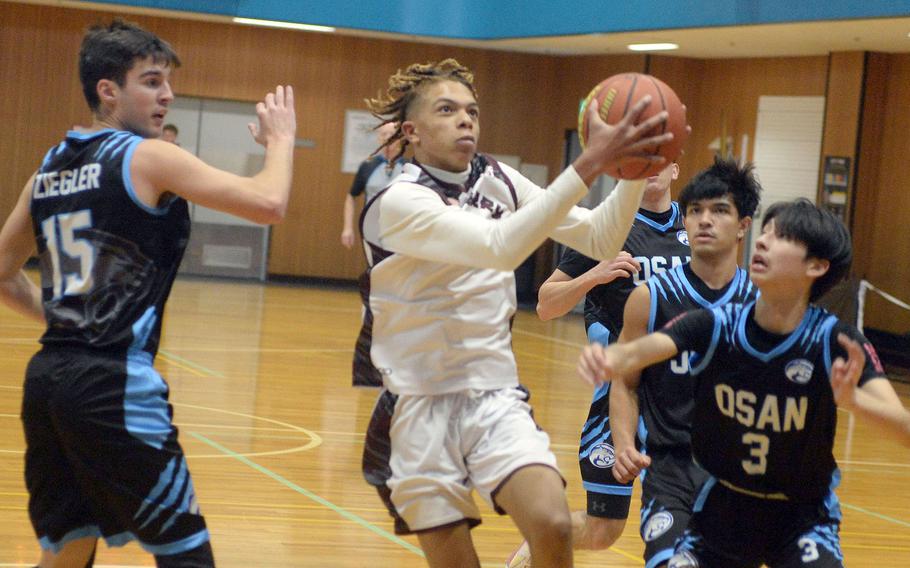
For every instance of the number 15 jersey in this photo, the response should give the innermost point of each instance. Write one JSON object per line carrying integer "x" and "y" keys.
{"x": 107, "y": 260}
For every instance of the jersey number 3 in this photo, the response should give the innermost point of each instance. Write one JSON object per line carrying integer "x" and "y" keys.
{"x": 59, "y": 234}
{"x": 759, "y": 444}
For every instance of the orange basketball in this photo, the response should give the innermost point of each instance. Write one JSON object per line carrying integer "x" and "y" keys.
{"x": 616, "y": 96}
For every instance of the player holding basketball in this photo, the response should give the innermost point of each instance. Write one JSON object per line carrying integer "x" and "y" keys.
{"x": 718, "y": 205}
{"x": 108, "y": 211}
{"x": 769, "y": 376}
{"x": 442, "y": 242}
{"x": 656, "y": 242}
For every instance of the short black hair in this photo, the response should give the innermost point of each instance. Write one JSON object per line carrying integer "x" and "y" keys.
{"x": 172, "y": 127}
{"x": 824, "y": 234}
{"x": 725, "y": 176}
{"x": 110, "y": 51}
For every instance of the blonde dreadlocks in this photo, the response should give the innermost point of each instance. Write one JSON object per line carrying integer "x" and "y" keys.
{"x": 404, "y": 87}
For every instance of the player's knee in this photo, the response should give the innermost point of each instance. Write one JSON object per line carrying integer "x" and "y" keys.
{"x": 684, "y": 559}
{"x": 552, "y": 526}
{"x": 602, "y": 533}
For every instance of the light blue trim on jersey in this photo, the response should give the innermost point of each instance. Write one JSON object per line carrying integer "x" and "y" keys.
{"x": 732, "y": 287}
{"x": 827, "y": 327}
{"x": 605, "y": 489}
{"x": 600, "y": 392}
{"x": 595, "y": 433}
{"x": 121, "y": 539}
{"x": 45, "y": 161}
{"x": 128, "y": 180}
{"x": 145, "y": 409}
{"x": 660, "y": 557}
{"x": 109, "y": 145}
{"x": 184, "y": 545}
{"x": 654, "y": 289}
{"x": 666, "y": 226}
{"x": 88, "y": 135}
{"x": 832, "y": 503}
{"x": 175, "y": 483}
{"x": 598, "y": 333}
{"x": 645, "y": 512}
{"x": 56, "y": 546}
{"x": 703, "y": 494}
{"x": 828, "y": 537}
{"x": 702, "y": 362}
{"x": 782, "y": 347}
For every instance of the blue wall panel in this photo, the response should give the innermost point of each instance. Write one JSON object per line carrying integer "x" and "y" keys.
{"x": 502, "y": 19}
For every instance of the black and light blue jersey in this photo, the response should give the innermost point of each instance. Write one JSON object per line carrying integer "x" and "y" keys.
{"x": 665, "y": 390}
{"x": 107, "y": 260}
{"x": 765, "y": 417}
{"x": 658, "y": 241}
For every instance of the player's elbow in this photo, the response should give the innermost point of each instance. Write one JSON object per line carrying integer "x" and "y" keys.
{"x": 544, "y": 313}
{"x": 270, "y": 211}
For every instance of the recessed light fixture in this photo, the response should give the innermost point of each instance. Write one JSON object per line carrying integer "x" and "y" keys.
{"x": 652, "y": 46}
{"x": 285, "y": 25}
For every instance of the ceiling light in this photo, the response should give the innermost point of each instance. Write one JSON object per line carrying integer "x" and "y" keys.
{"x": 652, "y": 46}
{"x": 285, "y": 25}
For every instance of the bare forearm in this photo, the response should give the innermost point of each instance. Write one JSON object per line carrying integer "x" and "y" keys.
{"x": 555, "y": 299}
{"x": 277, "y": 172}
{"x": 890, "y": 416}
{"x": 348, "y": 213}
{"x": 624, "y": 413}
{"x": 23, "y": 296}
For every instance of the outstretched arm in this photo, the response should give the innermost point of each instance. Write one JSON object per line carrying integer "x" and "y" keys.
{"x": 624, "y": 409}
{"x": 599, "y": 364}
{"x": 159, "y": 168}
{"x": 17, "y": 242}
{"x": 875, "y": 401}
{"x": 418, "y": 224}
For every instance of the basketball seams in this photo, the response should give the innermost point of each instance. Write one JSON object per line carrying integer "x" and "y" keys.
{"x": 608, "y": 95}
{"x": 626, "y": 108}
{"x": 663, "y": 126}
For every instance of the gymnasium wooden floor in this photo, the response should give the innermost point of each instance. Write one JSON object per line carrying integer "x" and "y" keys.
{"x": 260, "y": 382}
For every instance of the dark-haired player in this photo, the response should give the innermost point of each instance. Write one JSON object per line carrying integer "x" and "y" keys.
{"x": 769, "y": 376}
{"x": 718, "y": 205}
{"x": 657, "y": 242}
{"x": 107, "y": 209}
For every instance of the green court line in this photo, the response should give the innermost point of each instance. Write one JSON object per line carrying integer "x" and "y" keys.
{"x": 874, "y": 514}
{"x": 196, "y": 366}
{"x": 310, "y": 495}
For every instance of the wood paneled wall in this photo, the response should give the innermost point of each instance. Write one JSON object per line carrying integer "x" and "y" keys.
{"x": 528, "y": 102}
{"x": 723, "y": 94}
{"x": 881, "y": 230}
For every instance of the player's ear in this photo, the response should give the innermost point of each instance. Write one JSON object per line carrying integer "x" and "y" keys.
{"x": 674, "y": 171}
{"x": 107, "y": 90}
{"x": 817, "y": 267}
{"x": 409, "y": 130}
{"x": 744, "y": 225}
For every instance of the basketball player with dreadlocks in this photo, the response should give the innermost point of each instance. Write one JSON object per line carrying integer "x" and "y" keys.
{"x": 442, "y": 242}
